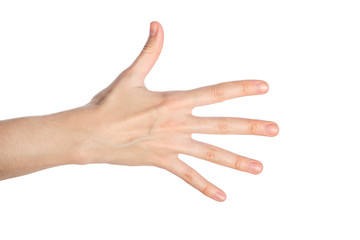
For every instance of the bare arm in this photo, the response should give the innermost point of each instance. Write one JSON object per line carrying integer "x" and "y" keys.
{"x": 30, "y": 144}
{"x": 128, "y": 124}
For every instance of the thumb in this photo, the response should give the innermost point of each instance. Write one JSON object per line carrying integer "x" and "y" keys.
{"x": 150, "y": 53}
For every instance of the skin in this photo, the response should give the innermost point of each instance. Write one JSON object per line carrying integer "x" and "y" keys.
{"x": 152, "y": 130}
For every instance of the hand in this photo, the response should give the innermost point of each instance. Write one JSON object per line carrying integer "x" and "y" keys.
{"x": 129, "y": 125}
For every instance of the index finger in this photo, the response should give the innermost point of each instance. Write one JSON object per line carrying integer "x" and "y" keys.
{"x": 225, "y": 91}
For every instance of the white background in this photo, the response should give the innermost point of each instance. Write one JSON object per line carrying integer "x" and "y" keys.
{"x": 57, "y": 55}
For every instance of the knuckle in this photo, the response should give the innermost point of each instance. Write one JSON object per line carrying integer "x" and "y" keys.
{"x": 181, "y": 98}
{"x": 239, "y": 164}
{"x": 128, "y": 74}
{"x": 253, "y": 126}
{"x": 205, "y": 189}
{"x": 167, "y": 101}
{"x": 173, "y": 103}
{"x": 217, "y": 92}
{"x": 188, "y": 177}
{"x": 244, "y": 88}
{"x": 99, "y": 97}
{"x": 210, "y": 154}
{"x": 222, "y": 125}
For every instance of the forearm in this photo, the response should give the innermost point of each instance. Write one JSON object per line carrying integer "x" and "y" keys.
{"x": 30, "y": 144}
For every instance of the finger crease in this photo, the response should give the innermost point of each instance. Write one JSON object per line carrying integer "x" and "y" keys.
{"x": 188, "y": 177}
{"x": 252, "y": 128}
{"x": 210, "y": 154}
{"x": 222, "y": 126}
{"x": 204, "y": 190}
{"x": 148, "y": 49}
{"x": 237, "y": 164}
{"x": 217, "y": 93}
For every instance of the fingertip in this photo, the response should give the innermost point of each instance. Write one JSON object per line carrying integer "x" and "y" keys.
{"x": 153, "y": 28}
{"x": 255, "y": 167}
{"x": 272, "y": 129}
{"x": 153, "y": 22}
{"x": 219, "y": 196}
{"x": 261, "y": 169}
{"x": 262, "y": 87}
{"x": 278, "y": 129}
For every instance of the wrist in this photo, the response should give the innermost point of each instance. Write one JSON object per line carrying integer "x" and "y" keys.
{"x": 70, "y": 134}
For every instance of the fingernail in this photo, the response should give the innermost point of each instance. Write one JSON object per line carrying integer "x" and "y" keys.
{"x": 262, "y": 87}
{"x": 153, "y": 29}
{"x": 219, "y": 196}
{"x": 255, "y": 167}
{"x": 271, "y": 129}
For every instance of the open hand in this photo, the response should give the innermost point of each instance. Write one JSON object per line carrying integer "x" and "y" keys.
{"x": 128, "y": 124}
